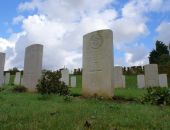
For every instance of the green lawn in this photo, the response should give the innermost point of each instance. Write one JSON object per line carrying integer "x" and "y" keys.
{"x": 31, "y": 111}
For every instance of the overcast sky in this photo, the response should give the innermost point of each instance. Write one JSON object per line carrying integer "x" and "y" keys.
{"x": 60, "y": 25}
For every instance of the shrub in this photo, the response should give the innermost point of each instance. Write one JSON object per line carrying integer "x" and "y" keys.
{"x": 1, "y": 89}
{"x": 19, "y": 88}
{"x": 157, "y": 96}
{"x": 50, "y": 84}
{"x": 68, "y": 98}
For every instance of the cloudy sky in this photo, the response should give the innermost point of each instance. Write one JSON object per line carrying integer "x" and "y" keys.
{"x": 60, "y": 25}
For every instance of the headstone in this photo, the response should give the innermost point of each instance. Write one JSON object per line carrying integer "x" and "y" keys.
{"x": 7, "y": 78}
{"x": 32, "y": 66}
{"x": 97, "y": 77}
{"x": 141, "y": 81}
{"x": 118, "y": 77}
{"x": 2, "y": 64}
{"x": 73, "y": 81}
{"x": 124, "y": 81}
{"x": 151, "y": 75}
{"x": 163, "y": 80}
{"x": 65, "y": 76}
{"x": 22, "y": 81}
{"x": 17, "y": 80}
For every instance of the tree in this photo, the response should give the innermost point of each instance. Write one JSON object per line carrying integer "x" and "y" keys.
{"x": 160, "y": 55}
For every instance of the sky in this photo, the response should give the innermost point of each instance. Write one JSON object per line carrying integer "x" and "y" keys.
{"x": 59, "y": 25}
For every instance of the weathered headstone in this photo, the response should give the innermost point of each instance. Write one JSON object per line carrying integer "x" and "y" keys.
{"x": 2, "y": 64}
{"x": 97, "y": 77}
{"x": 151, "y": 75}
{"x": 141, "y": 81}
{"x": 73, "y": 81}
{"x": 7, "y": 78}
{"x": 32, "y": 66}
{"x": 17, "y": 80}
{"x": 65, "y": 76}
{"x": 118, "y": 77}
{"x": 22, "y": 81}
{"x": 163, "y": 80}
{"x": 124, "y": 81}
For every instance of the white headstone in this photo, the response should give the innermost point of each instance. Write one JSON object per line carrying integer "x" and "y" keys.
{"x": 118, "y": 77}
{"x": 141, "y": 81}
{"x": 151, "y": 75}
{"x": 7, "y": 78}
{"x": 22, "y": 81}
{"x": 163, "y": 80}
{"x": 2, "y": 63}
{"x": 32, "y": 66}
{"x": 73, "y": 81}
{"x": 65, "y": 76}
{"x": 97, "y": 77}
{"x": 17, "y": 80}
{"x": 124, "y": 81}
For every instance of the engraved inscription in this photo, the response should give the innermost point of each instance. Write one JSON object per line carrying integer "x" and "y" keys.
{"x": 95, "y": 62}
{"x": 96, "y": 41}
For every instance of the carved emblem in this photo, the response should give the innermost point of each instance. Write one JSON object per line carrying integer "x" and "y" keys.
{"x": 96, "y": 41}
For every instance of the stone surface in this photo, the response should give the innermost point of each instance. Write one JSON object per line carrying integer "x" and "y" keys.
{"x": 141, "y": 81}
{"x": 73, "y": 81}
{"x": 7, "y": 78}
{"x": 97, "y": 77}
{"x": 2, "y": 64}
{"x": 32, "y": 66}
{"x": 17, "y": 80}
{"x": 65, "y": 76}
{"x": 163, "y": 80}
{"x": 151, "y": 75}
{"x": 118, "y": 77}
{"x": 124, "y": 81}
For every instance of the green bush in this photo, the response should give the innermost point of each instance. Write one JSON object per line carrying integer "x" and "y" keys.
{"x": 157, "y": 96}
{"x": 1, "y": 89}
{"x": 19, "y": 88}
{"x": 50, "y": 84}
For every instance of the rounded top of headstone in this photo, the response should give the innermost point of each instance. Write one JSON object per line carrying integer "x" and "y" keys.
{"x": 118, "y": 67}
{"x": 34, "y": 46}
{"x": 2, "y": 53}
{"x": 150, "y": 65}
{"x": 98, "y": 31}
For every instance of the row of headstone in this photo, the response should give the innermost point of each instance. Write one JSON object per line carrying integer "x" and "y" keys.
{"x": 152, "y": 78}
{"x": 32, "y": 68}
{"x": 65, "y": 78}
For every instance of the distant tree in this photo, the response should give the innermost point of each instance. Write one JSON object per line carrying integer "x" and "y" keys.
{"x": 160, "y": 55}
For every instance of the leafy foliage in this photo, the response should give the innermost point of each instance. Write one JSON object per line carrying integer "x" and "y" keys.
{"x": 1, "y": 89}
{"x": 50, "y": 84}
{"x": 19, "y": 88}
{"x": 157, "y": 96}
{"x": 160, "y": 55}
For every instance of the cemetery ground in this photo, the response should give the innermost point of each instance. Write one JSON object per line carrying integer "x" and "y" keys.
{"x": 32, "y": 111}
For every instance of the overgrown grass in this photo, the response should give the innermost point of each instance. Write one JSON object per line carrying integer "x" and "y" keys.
{"x": 31, "y": 111}
{"x": 28, "y": 112}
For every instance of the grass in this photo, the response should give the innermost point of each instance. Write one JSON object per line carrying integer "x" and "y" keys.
{"x": 31, "y": 111}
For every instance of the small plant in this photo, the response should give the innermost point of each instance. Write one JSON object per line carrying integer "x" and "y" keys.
{"x": 157, "y": 96}
{"x": 1, "y": 89}
{"x": 44, "y": 97}
{"x": 68, "y": 98}
{"x": 50, "y": 84}
{"x": 19, "y": 88}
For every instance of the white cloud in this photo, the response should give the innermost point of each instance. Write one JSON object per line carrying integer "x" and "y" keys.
{"x": 18, "y": 19}
{"x": 136, "y": 55}
{"x": 164, "y": 32}
{"x": 60, "y": 25}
